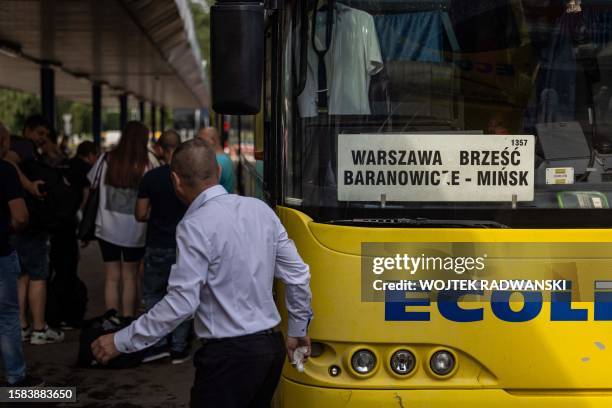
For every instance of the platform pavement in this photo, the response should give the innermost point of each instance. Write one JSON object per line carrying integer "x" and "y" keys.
{"x": 158, "y": 384}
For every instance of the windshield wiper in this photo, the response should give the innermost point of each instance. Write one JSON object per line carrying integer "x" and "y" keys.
{"x": 418, "y": 222}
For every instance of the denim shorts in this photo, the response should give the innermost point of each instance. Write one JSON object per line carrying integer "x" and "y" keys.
{"x": 33, "y": 250}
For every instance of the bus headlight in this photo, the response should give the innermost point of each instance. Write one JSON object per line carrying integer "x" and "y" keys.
{"x": 403, "y": 362}
{"x": 363, "y": 362}
{"x": 442, "y": 362}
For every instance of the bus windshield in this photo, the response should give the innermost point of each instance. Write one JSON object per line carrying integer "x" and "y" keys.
{"x": 395, "y": 103}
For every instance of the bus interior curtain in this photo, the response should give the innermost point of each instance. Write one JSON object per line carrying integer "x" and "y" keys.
{"x": 571, "y": 48}
{"x": 322, "y": 89}
{"x": 400, "y": 6}
{"x": 416, "y": 36}
{"x": 557, "y": 95}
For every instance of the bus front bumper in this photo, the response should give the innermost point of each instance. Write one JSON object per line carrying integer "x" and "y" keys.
{"x": 294, "y": 395}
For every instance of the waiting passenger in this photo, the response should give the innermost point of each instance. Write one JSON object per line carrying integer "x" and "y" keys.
{"x": 120, "y": 236}
{"x": 224, "y": 276}
{"x": 211, "y": 135}
{"x": 159, "y": 206}
{"x": 69, "y": 299}
{"x": 32, "y": 244}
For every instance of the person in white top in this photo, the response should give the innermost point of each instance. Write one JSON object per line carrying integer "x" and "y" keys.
{"x": 352, "y": 59}
{"x": 120, "y": 235}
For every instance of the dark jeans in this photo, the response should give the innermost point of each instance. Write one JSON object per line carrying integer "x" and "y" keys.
{"x": 10, "y": 327}
{"x": 157, "y": 266}
{"x": 242, "y": 372}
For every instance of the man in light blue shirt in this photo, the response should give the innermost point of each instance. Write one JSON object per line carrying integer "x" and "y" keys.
{"x": 230, "y": 249}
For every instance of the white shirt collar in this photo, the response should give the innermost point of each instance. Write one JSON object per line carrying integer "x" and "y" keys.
{"x": 205, "y": 196}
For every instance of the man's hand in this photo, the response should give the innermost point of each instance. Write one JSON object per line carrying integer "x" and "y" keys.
{"x": 293, "y": 343}
{"x": 104, "y": 348}
{"x": 34, "y": 189}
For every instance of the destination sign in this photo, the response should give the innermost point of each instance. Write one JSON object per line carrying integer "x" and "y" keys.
{"x": 435, "y": 167}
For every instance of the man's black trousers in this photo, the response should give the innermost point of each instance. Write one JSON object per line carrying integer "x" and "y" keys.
{"x": 239, "y": 372}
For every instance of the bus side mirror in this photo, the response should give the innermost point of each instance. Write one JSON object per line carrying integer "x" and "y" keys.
{"x": 237, "y": 53}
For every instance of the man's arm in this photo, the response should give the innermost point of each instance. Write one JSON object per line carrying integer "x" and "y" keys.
{"x": 143, "y": 204}
{"x": 143, "y": 207}
{"x": 31, "y": 187}
{"x": 295, "y": 274}
{"x": 181, "y": 301}
{"x": 19, "y": 214}
{"x": 85, "y": 198}
{"x": 13, "y": 192}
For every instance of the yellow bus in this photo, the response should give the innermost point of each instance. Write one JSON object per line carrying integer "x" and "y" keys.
{"x": 392, "y": 132}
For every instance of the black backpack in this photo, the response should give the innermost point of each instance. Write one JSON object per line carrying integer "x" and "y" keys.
{"x": 66, "y": 304}
{"x": 59, "y": 206}
{"x": 96, "y": 327}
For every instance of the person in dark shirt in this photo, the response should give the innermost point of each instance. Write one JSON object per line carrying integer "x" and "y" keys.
{"x": 79, "y": 166}
{"x": 32, "y": 244}
{"x": 13, "y": 217}
{"x": 159, "y": 206}
{"x": 25, "y": 148}
{"x": 68, "y": 303}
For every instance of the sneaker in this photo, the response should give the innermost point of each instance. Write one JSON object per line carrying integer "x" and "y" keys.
{"x": 155, "y": 353}
{"x": 26, "y": 333}
{"x": 46, "y": 336}
{"x": 29, "y": 381}
{"x": 67, "y": 326}
{"x": 179, "y": 357}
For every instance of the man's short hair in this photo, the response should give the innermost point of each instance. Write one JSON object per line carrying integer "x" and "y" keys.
{"x": 169, "y": 140}
{"x": 86, "y": 148}
{"x": 211, "y": 134}
{"x": 36, "y": 121}
{"x": 195, "y": 161}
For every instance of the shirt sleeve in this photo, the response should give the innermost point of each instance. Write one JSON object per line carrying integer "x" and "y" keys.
{"x": 374, "y": 62}
{"x": 11, "y": 186}
{"x": 183, "y": 297}
{"x": 143, "y": 188}
{"x": 295, "y": 274}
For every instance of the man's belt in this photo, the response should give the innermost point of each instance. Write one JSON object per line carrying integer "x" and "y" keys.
{"x": 259, "y": 333}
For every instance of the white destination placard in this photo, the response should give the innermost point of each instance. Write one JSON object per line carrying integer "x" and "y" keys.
{"x": 435, "y": 167}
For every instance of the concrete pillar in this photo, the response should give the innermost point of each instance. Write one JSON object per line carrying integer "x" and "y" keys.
{"x": 141, "y": 110}
{"x": 96, "y": 113}
{"x": 47, "y": 93}
{"x": 162, "y": 118}
{"x": 123, "y": 110}
{"x": 153, "y": 119}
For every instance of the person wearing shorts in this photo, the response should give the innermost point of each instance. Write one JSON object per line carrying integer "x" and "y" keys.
{"x": 116, "y": 253}
{"x": 121, "y": 237}
{"x": 32, "y": 244}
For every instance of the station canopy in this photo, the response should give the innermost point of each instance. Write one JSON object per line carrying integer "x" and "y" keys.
{"x": 146, "y": 48}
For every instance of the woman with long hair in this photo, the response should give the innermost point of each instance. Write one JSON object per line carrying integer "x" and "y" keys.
{"x": 120, "y": 235}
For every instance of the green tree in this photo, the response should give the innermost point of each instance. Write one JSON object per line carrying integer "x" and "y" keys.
{"x": 15, "y": 107}
{"x": 201, "y": 22}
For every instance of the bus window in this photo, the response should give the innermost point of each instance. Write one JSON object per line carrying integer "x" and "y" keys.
{"x": 503, "y": 67}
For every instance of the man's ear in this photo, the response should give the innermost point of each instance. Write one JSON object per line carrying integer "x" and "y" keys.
{"x": 176, "y": 180}
{"x": 219, "y": 170}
